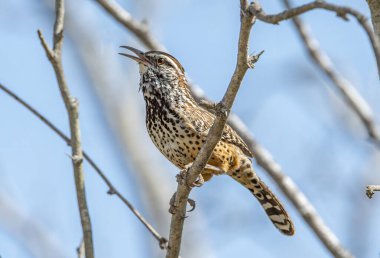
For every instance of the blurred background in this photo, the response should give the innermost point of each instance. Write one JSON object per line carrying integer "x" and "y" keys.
{"x": 285, "y": 101}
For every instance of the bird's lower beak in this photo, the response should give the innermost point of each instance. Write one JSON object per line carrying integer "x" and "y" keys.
{"x": 140, "y": 58}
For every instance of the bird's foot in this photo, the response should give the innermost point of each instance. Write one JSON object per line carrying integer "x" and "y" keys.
{"x": 198, "y": 182}
{"x": 173, "y": 206}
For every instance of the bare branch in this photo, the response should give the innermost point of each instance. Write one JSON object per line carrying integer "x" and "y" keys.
{"x": 346, "y": 89}
{"x": 223, "y": 109}
{"x": 340, "y": 11}
{"x": 71, "y": 105}
{"x": 112, "y": 189}
{"x": 140, "y": 29}
{"x": 371, "y": 190}
{"x": 374, "y": 7}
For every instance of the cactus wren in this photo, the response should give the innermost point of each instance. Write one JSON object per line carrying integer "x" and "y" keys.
{"x": 178, "y": 127}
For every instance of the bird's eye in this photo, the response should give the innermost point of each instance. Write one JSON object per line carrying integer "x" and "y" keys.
{"x": 160, "y": 61}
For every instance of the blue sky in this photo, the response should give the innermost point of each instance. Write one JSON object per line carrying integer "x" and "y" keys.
{"x": 288, "y": 105}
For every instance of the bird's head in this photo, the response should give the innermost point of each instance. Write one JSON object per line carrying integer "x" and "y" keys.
{"x": 157, "y": 68}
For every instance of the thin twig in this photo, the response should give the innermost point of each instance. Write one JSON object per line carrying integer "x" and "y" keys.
{"x": 55, "y": 57}
{"x": 371, "y": 190}
{"x": 223, "y": 109}
{"x": 374, "y": 7}
{"x": 112, "y": 190}
{"x": 140, "y": 29}
{"x": 347, "y": 90}
{"x": 341, "y": 11}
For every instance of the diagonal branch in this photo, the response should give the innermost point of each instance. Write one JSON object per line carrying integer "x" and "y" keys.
{"x": 140, "y": 29}
{"x": 223, "y": 109}
{"x": 341, "y": 11}
{"x": 71, "y": 104}
{"x": 112, "y": 190}
{"x": 353, "y": 99}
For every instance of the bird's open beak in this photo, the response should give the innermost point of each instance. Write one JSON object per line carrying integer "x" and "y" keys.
{"x": 140, "y": 58}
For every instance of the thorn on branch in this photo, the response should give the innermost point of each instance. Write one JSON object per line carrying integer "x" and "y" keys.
{"x": 252, "y": 59}
{"x": 111, "y": 191}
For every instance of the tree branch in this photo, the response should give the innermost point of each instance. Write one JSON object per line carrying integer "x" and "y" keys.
{"x": 371, "y": 190}
{"x": 140, "y": 29}
{"x": 112, "y": 190}
{"x": 71, "y": 104}
{"x": 223, "y": 108}
{"x": 340, "y": 11}
{"x": 346, "y": 89}
{"x": 374, "y": 7}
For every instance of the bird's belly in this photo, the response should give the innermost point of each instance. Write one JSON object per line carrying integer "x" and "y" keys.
{"x": 175, "y": 142}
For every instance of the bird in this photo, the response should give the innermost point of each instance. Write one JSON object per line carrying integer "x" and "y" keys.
{"x": 178, "y": 127}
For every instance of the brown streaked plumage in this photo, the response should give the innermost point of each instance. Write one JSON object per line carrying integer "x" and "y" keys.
{"x": 178, "y": 127}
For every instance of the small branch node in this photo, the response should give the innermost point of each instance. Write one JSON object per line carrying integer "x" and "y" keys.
{"x": 221, "y": 110}
{"x": 370, "y": 191}
{"x": 172, "y": 203}
{"x": 181, "y": 176}
{"x": 342, "y": 14}
{"x": 77, "y": 159}
{"x": 74, "y": 102}
{"x": 111, "y": 191}
{"x": 252, "y": 59}
{"x": 163, "y": 243}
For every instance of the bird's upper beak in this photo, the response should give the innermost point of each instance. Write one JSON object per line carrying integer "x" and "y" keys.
{"x": 140, "y": 58}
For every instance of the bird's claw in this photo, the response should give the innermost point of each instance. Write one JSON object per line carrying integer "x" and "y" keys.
{"x": 198, "y": 183}
{"x": 173, "y": 206}
{"x": 192, "y": 204}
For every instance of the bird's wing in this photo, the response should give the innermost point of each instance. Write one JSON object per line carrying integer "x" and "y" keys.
{"x": 200, "y": 121}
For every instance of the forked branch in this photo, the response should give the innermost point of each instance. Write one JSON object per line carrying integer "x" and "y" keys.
{"x": 353, "y": 99}
{"x": 341, "y": 11}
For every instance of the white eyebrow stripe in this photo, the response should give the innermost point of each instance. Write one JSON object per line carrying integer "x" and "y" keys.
{"x": 168, "y": 59}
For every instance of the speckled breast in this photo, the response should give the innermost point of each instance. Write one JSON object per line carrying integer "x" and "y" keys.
{"x": 166, "y": 129}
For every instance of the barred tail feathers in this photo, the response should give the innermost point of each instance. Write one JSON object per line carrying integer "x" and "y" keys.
{"x": 272, "y": 206}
